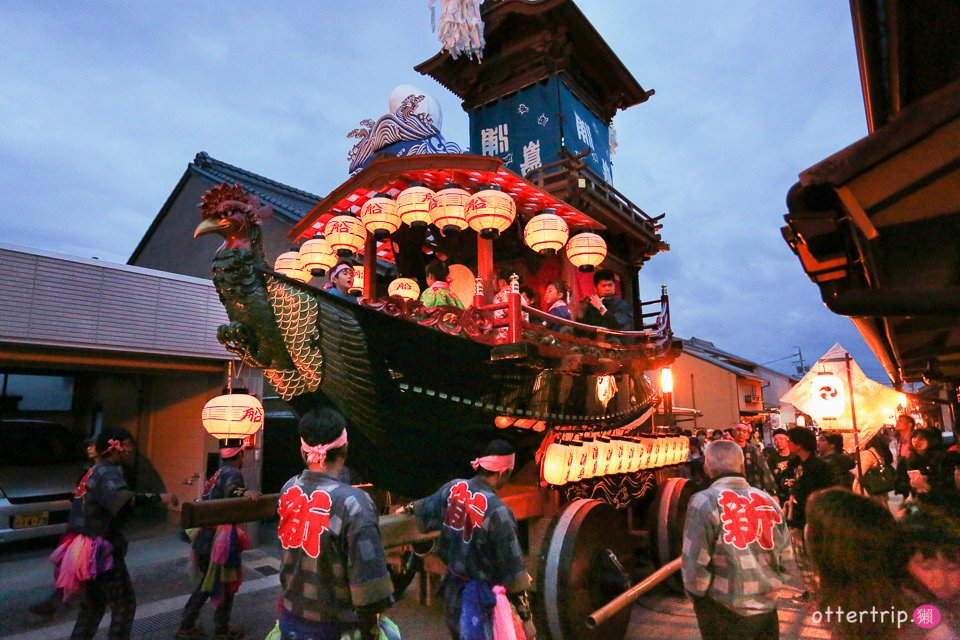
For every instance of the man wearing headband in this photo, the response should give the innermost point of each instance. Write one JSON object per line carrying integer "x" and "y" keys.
{"x": 478, "y": 542}
{"x": 94, "y": 554}
{"x": 341, "y": 279}
{"x": 216, "y": 551}
{"x": 334, "y": 575}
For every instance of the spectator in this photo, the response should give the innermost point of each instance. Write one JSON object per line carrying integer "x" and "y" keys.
{"x": 851, "y": 540}
{"x": 810, "y": 473}
{"x": 874, "y": 453}
{"x": 500, "y": 297}
{"x": 554, "y": 298}
{"x": 438, "y": 292}
{"x": 830, "y": 450}
{"x": 924, "y": 465}
{"x": 757, "y": 472}
{"x": 903, "y": 429}
{"x": 928, "y": 550}
{"x": 736, "y": 552}
{"x": 779, "y": 463}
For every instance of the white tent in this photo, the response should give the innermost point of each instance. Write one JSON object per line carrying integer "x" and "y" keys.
{"x": 875, "y": 404}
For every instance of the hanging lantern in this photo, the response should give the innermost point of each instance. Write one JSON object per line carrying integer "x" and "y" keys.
{"x": 586, "y": 251}
{"x": 288, "y": 264}
{"x": 234, "y": 415}
{"x": 345, "y": 234}
{"x": 828, "y": 395}
{"x": 643, "y": 457}
{"x": 357, "y": 286}
{"x": 578, "y": 459}
{"x": 619, "y": 462}
{"x": 593, "y": 458}
{"x": 666, "y": 380}
{"x": 414, "y": 204}
{"x": 555, "y": 468}
{"x": 447, "y": 213}
{"x": 379, "y": 216}
{"x": 604, "y": 455}
{"x": 409, "y": 289}
{"x": 546, "y": 233}
{"x": 490, "y": 211}
{"x": 316, "y": 256}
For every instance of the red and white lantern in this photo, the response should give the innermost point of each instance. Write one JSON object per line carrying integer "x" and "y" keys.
{"x": 288, "y": 263}
{"x": 447, "y": 213}
{"x": 379, "y": 216}
{"x": 345, "y": 234}
{"x": 317, "y": 257}
{"x": 414, "y": 204}
{"x": 586, "y": 251}
{"x": 546, "y": 232}
{"x": 234, "y": 415}
{"x": 406, "y": 288}
{"x": 490, "y": 211}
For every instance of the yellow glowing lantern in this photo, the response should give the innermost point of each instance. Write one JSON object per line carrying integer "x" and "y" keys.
{"x": 345, "y": 234}
{"x": 379, "y": 216}
{"x": 357, "y": 285}
{"x": 828, "y": 395}
{"x": 414, "y": 204}
{"x": 605, "y": 456}
{"x": 619, "y": 463}
{"x": 666, "y": 380}
{"x": 447, "y": 212}
{"x": 578, "y": 458}
{"x": 546, "y": 233}
{"x": 586, "y": 251}
{"x": 409, "y": 289}
{"x": 555, "y": 468}
{"x": 234, "y": 415}
{"x": 490, "y": 211}
{"x": 656, "y": 458}
{"x": 316, "y": 256}
{"x": 593, "y": 458}
{"x": 288, "y": 263}
{"x": 632, "y": 453}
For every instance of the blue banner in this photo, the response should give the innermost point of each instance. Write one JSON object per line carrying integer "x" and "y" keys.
{"x": 526, "y": 129}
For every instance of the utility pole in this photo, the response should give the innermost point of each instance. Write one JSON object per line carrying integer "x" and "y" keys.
{"x": 801, "y": 369}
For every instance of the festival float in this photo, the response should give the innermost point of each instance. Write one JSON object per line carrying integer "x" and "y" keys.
{"x": 424, "y": 389}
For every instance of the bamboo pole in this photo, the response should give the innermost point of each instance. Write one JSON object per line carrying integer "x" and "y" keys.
{"x": 612, "y": 608}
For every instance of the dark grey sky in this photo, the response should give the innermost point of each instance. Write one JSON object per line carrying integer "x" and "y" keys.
{"x": 103, "y": 104}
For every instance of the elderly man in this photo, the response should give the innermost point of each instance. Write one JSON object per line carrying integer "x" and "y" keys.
{"x": 736, "y": 552}
{"x": 757, "y": 472}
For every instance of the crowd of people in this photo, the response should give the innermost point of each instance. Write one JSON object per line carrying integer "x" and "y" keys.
{"x": 828, "y": 518}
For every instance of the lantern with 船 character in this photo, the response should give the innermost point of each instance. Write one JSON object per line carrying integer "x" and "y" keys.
{"x": 357, "y": 285}
{"x": 414, "y": 204}
{"x": 449, "y": 204}
{"x": 489, "y": 212}
{"x": 379, "y": 216}
{"x": 557, "y": 459}
{"x": 345, "y": 234}
{"x": 232, "y": 416}
{"x": 409, "y": 288}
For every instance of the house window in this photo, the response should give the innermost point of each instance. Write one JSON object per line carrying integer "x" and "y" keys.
{"x": 37, "y": 392}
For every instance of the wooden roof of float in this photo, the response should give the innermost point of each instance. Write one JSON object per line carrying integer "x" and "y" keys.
{"x": 529, "y": 40}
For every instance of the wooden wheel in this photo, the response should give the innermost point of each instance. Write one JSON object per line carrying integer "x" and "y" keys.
{"x": 667, "y": 516}
{"x": 580, "y": 569}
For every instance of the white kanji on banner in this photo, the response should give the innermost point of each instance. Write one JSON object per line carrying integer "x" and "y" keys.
{"x": 531, "y": 157}
{"x": 494, "y": 140}
{"x": 583, "y": 131}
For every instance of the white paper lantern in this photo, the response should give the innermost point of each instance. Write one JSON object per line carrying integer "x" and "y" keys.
{"x": 406, "y": 288}
{"x": 357, "y": 286}
{"x": 490, "y": 211}
{"x": 829, "y": 395}
{"x": 449, "y": 204}
{"x": 288, "y": 263}
{"x": 345, "y": 235}
{"x": 379, "y": 216}
{"x": 586, "y": 251}
{"x": 234, "y": 415}
{"x": 414, "y": 204}
{"x": 593, "y": 458}
{"x": 317, "y": 257}
{"x": 555, "y": 468}
{"x": 546, "y": 233}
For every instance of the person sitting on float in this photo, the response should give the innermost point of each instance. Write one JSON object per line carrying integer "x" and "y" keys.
{"x": 554, "y": 299}
{"x": 341, "y": 279}
{"x": 439, "y": 293}
{"x": 604, "y": 308}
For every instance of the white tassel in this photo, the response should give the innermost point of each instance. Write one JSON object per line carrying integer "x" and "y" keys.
{"x": 461, "y": 29}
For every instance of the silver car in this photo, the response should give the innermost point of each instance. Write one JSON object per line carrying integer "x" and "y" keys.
{"x": 40, "y": 465}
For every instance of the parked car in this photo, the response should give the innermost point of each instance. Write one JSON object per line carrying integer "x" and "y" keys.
{"x": 40, "y": 465}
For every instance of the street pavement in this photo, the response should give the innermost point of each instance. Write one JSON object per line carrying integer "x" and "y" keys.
{"x": 159, "y": 562}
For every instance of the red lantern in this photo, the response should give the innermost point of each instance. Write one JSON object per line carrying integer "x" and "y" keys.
{"x": 546, "y": 233}
{"x": 345, "y": 234}
{"x": 448, "y": 210}
{"x": 414, "y": 204}
{"x": 379, "y": 216}
{"x": 586, "y": 251}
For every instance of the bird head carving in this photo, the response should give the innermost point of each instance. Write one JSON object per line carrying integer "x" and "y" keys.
{"x": 231, "y": 212}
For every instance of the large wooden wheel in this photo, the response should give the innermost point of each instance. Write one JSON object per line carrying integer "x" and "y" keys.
{"x": 580, "y": 569}
{"x": 667, "y": 516}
